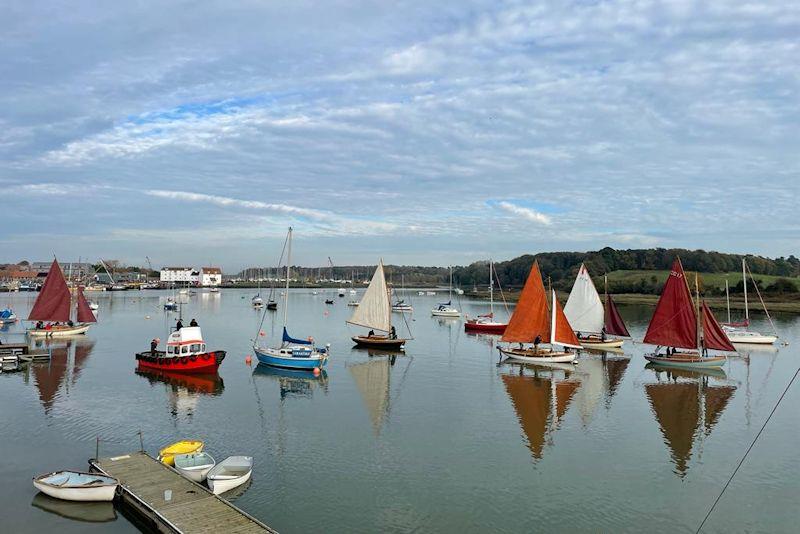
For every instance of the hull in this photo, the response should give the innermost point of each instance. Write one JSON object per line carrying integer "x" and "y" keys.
{"x": 221, "y": 485}
{"x": 167, "y": 454}
{"x": 446, "y": 313}
{"x": 59, "y": 331}
{"x": 599, "y": 344}
{"x": 690, "y": 360}
{"x": 485, "y": 328}
{"x": 542, "y": 357}
{"x": 753, "y": 338}
{"x": 206, "y": 363}
{"x": 272, "y": 358}
{"x": 195, "y": 474}
{"x": 378, "y": 342}
{"x": 94, "y": 493}
{"x": 231, "y": 473}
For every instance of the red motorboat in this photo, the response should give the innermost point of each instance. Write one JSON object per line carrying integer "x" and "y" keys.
{"x": 484, "y": 324}
{"x": 186, "y": 353}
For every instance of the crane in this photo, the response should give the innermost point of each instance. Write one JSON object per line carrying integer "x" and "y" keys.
{"x": 331, "y": 263}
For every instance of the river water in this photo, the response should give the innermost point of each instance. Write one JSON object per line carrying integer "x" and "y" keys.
{"x": 441, "y": 438}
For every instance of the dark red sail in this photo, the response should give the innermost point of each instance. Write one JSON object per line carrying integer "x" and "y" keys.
{"x": 674, "y": 323}
{"x": 85, "y": 313}
{"x": 614, "y": 324}
{"x": 714, "y": 336}
{"x": 53, "y": 302}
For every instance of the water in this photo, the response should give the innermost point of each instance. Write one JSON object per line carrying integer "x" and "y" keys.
{"x": 438, "y": 439}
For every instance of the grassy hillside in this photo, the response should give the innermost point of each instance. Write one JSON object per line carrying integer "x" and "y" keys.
{"x": 712, "y": 283}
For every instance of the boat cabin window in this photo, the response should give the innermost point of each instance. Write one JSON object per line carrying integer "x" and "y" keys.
{"x": 203, "y": 347}
{"x": 185, "y": 349}
{"x": 195, "y": 347}
{"x": 170, "y": 349}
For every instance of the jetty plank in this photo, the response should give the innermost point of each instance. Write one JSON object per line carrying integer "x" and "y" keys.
{"x": 192, "y": 508}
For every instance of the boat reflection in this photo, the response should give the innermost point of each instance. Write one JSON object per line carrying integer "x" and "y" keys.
{"x": 687, "y": 405}
{"x": 541, "y": 400}
{"x": 89, "y": 512}
{"x": 373, "y": 379}
{"x": 68, "y": 358}
{"x": 184, "y": 390}
{"x": 294, "y": 382}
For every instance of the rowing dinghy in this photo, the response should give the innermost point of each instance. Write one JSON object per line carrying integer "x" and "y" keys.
{"x": 230, "y": 473}
{"x": 194, "y": 466}
{"x": 167, "y": 454}
{"x": 77, "y": 486}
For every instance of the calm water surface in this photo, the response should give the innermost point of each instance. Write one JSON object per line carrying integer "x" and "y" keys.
{"x": 441, "y": 438}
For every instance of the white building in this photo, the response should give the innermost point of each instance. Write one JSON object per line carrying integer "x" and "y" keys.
{"x": 179, "y": 275}
{"x": 210, "y": 276}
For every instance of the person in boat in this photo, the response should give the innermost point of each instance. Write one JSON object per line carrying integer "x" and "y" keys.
{"x": 193, "y": 323}
{"x": 153, "y": 347}
{"x": 703, "y": 349}
{"x": 39, "y": 325}
{"x": 393, "y": 334}
{"x": 371, "y": 333}
{"x": 603, "y": 334}
{"x": 178, "y": 325}
{"x": 536, "y": 343}
{"x": 70, "y": 323}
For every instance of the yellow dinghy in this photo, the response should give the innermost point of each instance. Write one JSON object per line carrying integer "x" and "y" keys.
{"x": 167, "y": 454}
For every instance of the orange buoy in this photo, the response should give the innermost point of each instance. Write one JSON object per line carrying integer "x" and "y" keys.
{"x": 248, "y": 359}
{"x": 261, "y": 333}
{"x": 316, "y": 371}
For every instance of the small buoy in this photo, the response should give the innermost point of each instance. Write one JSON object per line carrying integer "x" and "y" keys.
{"x": 248, "y": 359}
{"x": 316, "y": 371}
{"x": 325, "y": 313}
{"x": 261, "y": 333}
{"x": 146, "y": 316}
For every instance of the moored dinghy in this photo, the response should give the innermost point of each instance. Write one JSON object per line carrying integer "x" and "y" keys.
{"x": 591, "y": 321}
{"x": 77, "y": 486}
{"x": 167, "y": 454}
{"x": 194, "y": 466}
{"x": 230, "y": 473}
{"x": 681, "y": 323}
{"x": 532, "y": 322}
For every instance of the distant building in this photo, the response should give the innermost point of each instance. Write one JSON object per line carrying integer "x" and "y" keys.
{"x": 179, "y": 275}
{"x": 210, "y": 276}
{"x": 72, "y": 270}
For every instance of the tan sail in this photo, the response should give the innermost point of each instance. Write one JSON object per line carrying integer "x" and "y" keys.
{"x": 374, "y": 310}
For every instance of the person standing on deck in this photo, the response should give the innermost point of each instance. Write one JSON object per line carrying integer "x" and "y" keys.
{"x": 536, "y": 344}
{"x": 179, "y": 325}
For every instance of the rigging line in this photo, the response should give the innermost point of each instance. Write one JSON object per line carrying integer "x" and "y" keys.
{"x": 264, "y": 313}
{"x": 766, "y": 311}
{"x": 748, "y": 450}
{"x": 502, "y": 295}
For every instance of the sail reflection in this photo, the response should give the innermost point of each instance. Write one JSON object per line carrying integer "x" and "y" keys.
{"x": 684, "y": 402}
{"x": 67, "y": 361}
{"x": 184, "y": 390}
{"x": 292, "y": 382}
{"x": 373, "y": 379}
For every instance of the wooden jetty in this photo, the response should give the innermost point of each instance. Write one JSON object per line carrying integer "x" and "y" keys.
{"x": 167, "y": 502}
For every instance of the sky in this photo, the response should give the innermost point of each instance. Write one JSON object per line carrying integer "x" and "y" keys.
{"x": 426, "y": 133}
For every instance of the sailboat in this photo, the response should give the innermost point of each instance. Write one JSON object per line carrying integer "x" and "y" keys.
{"x": 257, "y": 302}
{"x": 445, "y": 309}
{"x": 401, "y": 305}
{"x": 681, "y": 322}
{"x": 54, "y": 304}
{"x": 738, "y": 332}
{"x": 486, "y": 323}
{"x": 532, "y": 322}
{"x": 374, "y": 311}
{"x": 591, "y": 321}
{"x": 292, "y": 353}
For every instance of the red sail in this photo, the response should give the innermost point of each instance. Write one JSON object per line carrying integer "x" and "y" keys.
{"x": 614, "y": 324}
{"x": 674, "y": 323}
{"x": 530, "y": 317}
{"x": 714, "y": 336}
{"x": 85, "y": 314}
{"x": 53, "y": 302}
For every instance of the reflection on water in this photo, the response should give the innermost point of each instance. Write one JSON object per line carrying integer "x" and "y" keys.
{"x": 684, "y": 401}
{"x": 184, "y": 390}
{"x": 67, "y": 360}
{"x": 294, "y": 382}
{"x": 89, "y": 512}
{"x": 373, "y": 380}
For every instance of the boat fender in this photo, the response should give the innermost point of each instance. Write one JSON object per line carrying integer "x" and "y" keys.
{"x": 184, "y": 360}
{"x": 193, "y": 358}
{"x": 205, "y": 356}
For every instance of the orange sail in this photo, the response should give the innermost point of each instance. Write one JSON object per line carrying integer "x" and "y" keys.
{"x": 531, "y": 317}
{"x": 564, "y": 334}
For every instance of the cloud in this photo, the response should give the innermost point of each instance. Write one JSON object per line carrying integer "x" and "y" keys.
{"x": 526, "y": 213}
{"x": 235, "y": 202}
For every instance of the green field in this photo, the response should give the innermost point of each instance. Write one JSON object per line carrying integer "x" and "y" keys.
{"x": 706, "y": 280}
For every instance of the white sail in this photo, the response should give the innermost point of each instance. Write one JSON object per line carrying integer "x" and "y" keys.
{"x": 584, "y": 309}
{"x": 374, "y": 311}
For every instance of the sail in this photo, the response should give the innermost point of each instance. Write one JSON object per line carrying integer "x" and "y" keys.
{"x": 372, "y": 379}
{"x": 85, "y": 313}
{"x": 286, "y": 338}
{"x": 674, "y": 323}
{"x": 614, "y": 324}
{"x": 53, "y": 302}
{"x": 530, "y": 317}
{"x": 563, "y": 333}
{"x": 374, "y": 310}
{"x": 584, "y": 309}
{"x": 714, "y": 336}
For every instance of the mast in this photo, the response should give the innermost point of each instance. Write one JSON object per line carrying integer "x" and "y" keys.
{"x": 744, "y": 283}
{"x": 552, "y": 316}
{"x": 728, "y": 300}
{"x": 450, "y": 290}
{"x": 286, "y": 294}
{"x": 491, "y": 288}
{"x": 697, "y": 315}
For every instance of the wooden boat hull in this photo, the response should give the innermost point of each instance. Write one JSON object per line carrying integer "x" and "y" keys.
{"x": 168, "y": 453}
{"x": 95, "y": 493}
{"x": 542, "y": 356}
{"x": 485, "y": 328}
{"x": 206, "y": 363}
{"x": 379, "y": 342}
{"x": 599, "y": 344}
{"x": 690, "y": 360}
{"x": 59, "y": 331}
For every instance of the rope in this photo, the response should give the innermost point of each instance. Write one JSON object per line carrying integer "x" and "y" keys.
{"x": 502, "y": 295}
{"x": 748, "y": 451}
{"x": 774, "y": 330}
{"x": 264, "y": 313}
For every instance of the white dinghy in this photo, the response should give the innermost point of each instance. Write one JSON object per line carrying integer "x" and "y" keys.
{"x": 194, "y": 466}
{"x": 76, "y": 486}
{"x": 230, "y": 473}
